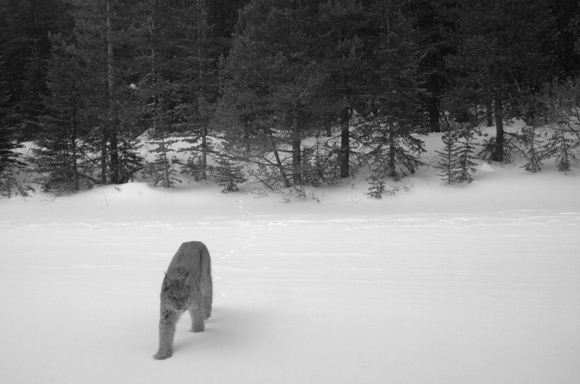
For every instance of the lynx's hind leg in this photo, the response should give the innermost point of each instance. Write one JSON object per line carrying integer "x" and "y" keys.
{"x": 197, "y": 317}
{"x": 207, "y": 304}
{"x": 206, "y": 287}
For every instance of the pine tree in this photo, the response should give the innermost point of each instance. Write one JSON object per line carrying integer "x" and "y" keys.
{"x": 500, "y": 52}
{"x": 377, "y": 185}
{"x": 563, "y": 146}
{"x": 457, "y": 159}
{"x": 7, "y": 134}
{"x": 562, "y": 101}
{"x": 161, "y": 88}
{"x": 448, "y": 159}
{"x": 342, "y": 22}
{"x": 161, "y": 169}
{"x": 61, "y": 156}
{"x": 534, "y": 152}
{"x": 321, "y": 165}
{"x": 10, "y": 159}
{"x": 271, "y": 79}
{"x": 394, "y": 151}
{"x": 433, "y": 73}
{"x": 24, "y": 29}
{"x": 179, "y": 74}
{"x": 391, "y": 114}
{"x": 228, "y": 175}
{"x": 105, "y": 37}
{"x": 466, "y": 158}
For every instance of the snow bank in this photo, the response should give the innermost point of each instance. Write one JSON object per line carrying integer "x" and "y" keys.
{"x": 475, "y": 283}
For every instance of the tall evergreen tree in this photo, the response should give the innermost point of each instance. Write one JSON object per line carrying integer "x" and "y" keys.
{"x": 447, "y": 163}
{"x": 562, "y": 101}
{"x": 343, "y": 25}
{"x": 533, "y": 153}
{"x": 62, "y": 153}
{"x": 433, "y": 74}
{"x": 456, "y": 159}
{"x": 466, "y": 157}
{"x": 104, "y": 39}
{"x": 563, "y": 147}
{"x": 7, "y": 132}
{"x": 501, "y": 54}
{"x": 392, "y": 112}
{"x": 24, "y": 43}
{"x": 9, "y": 157}
{"x": 563, "y": 45}
{"x": 178, "y": 73}
{"x": 271, "y": 79}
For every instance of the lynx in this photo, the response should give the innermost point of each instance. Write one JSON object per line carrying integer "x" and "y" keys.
{"x": 187, "y": 286}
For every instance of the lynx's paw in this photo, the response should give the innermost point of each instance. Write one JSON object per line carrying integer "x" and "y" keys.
{"x": 199, "y": 328}
{"x": 163, "y": 355}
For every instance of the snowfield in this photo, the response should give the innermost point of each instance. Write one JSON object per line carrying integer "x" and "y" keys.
{"x": 466, "y": 284}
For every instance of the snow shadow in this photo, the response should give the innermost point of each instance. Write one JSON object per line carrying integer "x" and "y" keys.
{"x": 229, "y": 328}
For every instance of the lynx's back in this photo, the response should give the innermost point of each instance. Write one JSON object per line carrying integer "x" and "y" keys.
{"x": 192, "y": 256}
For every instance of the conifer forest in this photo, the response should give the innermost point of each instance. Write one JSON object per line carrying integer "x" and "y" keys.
{"x": 283, "y": 93}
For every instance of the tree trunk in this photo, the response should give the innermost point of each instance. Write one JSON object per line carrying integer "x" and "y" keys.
{"x": 498, "y": 151}
{"x": 344, "y": 158}
{"x": 296, "y": 149}
{"x": 489, "y": 112}
{"x": 392, "y": 161}
{"x": 201, "y": 36}
{"x": 75, "y": 155}
{"x": 203, "y": 175}
{"x": 104, "y": 155}
{"x": 111, "y": 130}
{"x": 279, "y": 162}
{"x": 434, "y": 115}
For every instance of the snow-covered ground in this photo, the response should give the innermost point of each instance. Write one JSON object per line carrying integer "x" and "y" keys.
{"x": 466, "y": 284}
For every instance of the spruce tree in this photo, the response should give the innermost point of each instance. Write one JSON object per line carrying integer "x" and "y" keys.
{"x": 500, "y": 50}
{"x": 457, "y": 159}
{"x": 8, "y": 143}
{"x": 178, "y": 74}
{"x": 377, "y": 185}
{"x": 433, "y": 74}
{"x": 466, "y": 157}
{"x": 562, "y": 100}
{"x": 563, "y": 146}
{"x": 9, "y": 157}
{"x": 24, "y": 29}
{"x": 159, "y": 87}
{"x": 448, "y": 159}
{"x": 534, "y": 153}
{"x": 391, "y": 114}
{"x": 106, "y": 35}
{"x": 162, "y": 170}
{"x": 271, "y": 80}
{"x": 227, "y": 174}
{"x": 343, "y": 24}
{"x": 62, "y": 151}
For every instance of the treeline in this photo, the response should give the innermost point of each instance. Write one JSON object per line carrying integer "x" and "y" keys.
{"x": 245, "y": 82}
